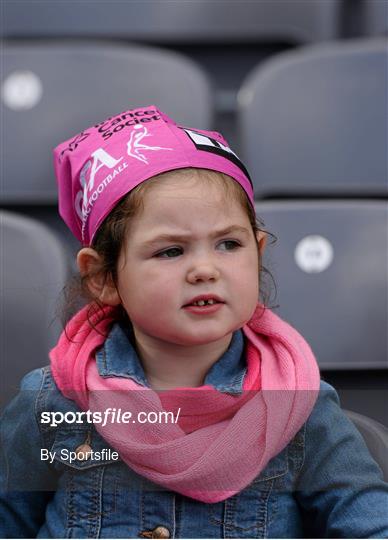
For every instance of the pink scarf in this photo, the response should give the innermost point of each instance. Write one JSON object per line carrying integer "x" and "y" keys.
{"x": 221, "y": 442}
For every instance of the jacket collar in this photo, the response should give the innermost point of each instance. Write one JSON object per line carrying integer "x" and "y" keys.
{"x": 118, "y": 358}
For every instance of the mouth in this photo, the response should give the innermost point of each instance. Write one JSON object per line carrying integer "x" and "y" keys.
{"x": 204, "y": 300}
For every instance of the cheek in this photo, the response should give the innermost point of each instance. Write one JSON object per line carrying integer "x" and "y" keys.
{"x": 162, "y": 281}
{"x": 250, "y": 267}
{"x": 250, "y": 279}
{"x": 146, "y": 287}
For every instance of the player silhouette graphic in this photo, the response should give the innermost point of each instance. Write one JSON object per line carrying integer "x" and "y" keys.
{"x": 135, "y": 146}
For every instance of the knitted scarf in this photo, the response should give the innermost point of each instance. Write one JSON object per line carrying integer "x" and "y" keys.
{"x": 221, "y": 442}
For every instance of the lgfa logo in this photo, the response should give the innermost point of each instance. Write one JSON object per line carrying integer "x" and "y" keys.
{"x": 100, "y": 158}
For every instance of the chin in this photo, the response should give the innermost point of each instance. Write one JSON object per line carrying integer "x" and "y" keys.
{"x": 202, "y": 338}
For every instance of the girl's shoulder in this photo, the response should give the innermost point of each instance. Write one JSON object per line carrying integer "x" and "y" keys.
{"x": 34, "y": 380}
{"x": 39, "y": 380}
{"x": 331, "y": 438}
{"x": 39, "y": 392}
{"x": 327, "y": 416}
{"x": 327, "y": 405}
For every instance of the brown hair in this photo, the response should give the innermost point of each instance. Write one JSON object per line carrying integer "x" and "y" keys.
{"x": 110, "y": 236}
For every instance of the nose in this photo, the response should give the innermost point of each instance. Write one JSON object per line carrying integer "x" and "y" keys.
{"x": 203, "y": 271}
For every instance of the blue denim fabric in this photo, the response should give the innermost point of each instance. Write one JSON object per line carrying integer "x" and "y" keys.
{"x": 118, "y": 358}
{"x": 323, "y": 484}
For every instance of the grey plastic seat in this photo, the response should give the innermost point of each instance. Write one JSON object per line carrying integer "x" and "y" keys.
{"x": 176, "y": 22}
{"x": 330, "y": 268}
{"x": 375, "y": 17}
{"x": 52, "y": 91}
{"x": 375, "y": 436}
{"x": 34, "y": 269}
{"x": 313, "y": 121}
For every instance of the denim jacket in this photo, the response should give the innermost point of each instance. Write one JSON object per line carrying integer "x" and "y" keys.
{"x": 323, "y": 484}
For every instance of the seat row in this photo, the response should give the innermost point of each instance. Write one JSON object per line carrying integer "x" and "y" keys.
{"x": 311, "y": 122}
{"x": 214, "y": 21}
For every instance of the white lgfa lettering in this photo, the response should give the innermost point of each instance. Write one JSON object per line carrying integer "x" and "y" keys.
{"x": 105, "y": 159}
{"x": 101, "y": 158}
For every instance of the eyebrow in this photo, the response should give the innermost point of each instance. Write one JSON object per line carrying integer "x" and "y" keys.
{"x": 185, "y": 237}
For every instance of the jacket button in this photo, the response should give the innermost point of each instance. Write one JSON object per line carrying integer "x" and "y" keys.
{"x": 83, "y": 452}
{"x": 158, "y": 532}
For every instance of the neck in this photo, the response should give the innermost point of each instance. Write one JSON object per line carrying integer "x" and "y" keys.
{"x": 168, "y": 365}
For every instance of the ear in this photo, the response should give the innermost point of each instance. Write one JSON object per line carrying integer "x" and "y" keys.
{"x": 262, "y": 241}
{"x": 100, "y": 286}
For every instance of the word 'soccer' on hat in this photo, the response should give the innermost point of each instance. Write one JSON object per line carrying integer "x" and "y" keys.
{"x": 100, "y": 165}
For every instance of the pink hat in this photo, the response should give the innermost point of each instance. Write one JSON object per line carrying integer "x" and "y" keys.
{"x": 100, "y": 165}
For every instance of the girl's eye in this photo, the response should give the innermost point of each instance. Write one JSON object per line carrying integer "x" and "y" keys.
{"x": 170, "y": 253}
{"x": 230, "y": 245}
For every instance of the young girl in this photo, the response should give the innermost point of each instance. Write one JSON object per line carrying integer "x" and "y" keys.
{"x": 176, "y": 404}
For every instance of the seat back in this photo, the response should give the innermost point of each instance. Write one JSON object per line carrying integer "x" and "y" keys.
{"x": 53, "y": 91}
{"x": 34, "y": 271}
{"x": 313, "y": 121}
{"x": 375, "y": 17}
{"x": 330, "y": 268}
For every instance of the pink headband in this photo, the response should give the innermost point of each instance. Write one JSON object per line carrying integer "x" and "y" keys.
{"x": 100, "y": 165}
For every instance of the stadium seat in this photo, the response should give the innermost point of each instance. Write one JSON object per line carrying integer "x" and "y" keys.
{"x": 169, "y": 21}
{"x": 330, "y": 268}
{"x": 34, "y": 270}
{"x": 375, "y": 17}
{"x": 51, "y": 92}
{"x": 313, "y": 121}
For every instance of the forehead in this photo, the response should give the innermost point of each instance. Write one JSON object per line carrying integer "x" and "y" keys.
{"x": 182, "y": 200}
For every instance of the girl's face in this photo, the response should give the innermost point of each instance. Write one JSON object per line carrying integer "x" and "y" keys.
{"x": 188, "y": 241}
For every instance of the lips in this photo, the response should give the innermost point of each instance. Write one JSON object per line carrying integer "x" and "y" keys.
{"x": 213, "y": 297}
